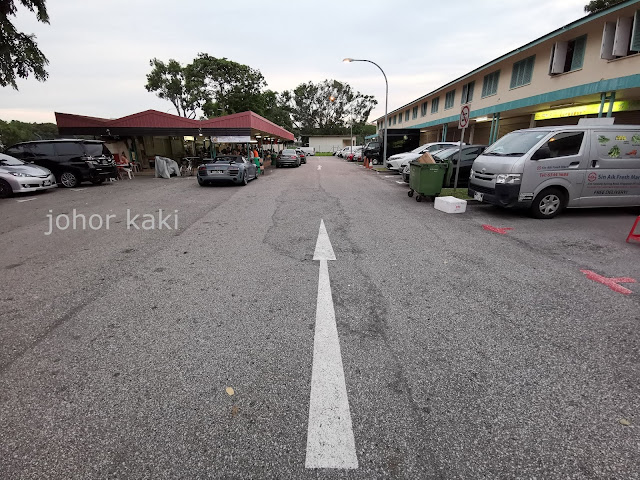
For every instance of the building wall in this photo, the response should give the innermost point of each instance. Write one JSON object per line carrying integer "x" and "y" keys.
{"x": 594, "y": 69}
{"x": 329, "y": 143}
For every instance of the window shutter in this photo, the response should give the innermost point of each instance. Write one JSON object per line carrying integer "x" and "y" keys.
{"x": 514, "y": 75}
{"x": 472, "y": 86}
{"x": 608, "y": 34}
{"x": 621, "y": 40}
{"x": 528, "y": 70}
{"x": 635, "y": 40}
{"x": 578, "y": 52}
{"x": 559, "y": 57}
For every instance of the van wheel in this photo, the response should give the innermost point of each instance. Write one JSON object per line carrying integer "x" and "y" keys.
{"x": 548, "y": 203}
{"x": 5, "y": 189}
{"x": 69, "y": 179}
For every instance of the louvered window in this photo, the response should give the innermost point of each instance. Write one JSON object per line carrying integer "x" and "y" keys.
{"x": 522, "y": 72}
{"x": 490, "y": 84}
{"x": 567, "y": 56}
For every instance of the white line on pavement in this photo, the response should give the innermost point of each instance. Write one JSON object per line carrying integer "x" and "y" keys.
{"x": 330, "y": 440}
{"x": 401, "y": 183}
{"x": 26, "y": 199}
{"x": 77, "y": 189}
{"x": 319, "y": 167}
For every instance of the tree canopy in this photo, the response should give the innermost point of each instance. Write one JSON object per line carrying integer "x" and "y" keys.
{"x": 595, "y": 6}
{"x": 328, "y": 107}
{"x": 15, "y": 131}
{"x": 19, "y": 53}
{"x": 219, "y": 86}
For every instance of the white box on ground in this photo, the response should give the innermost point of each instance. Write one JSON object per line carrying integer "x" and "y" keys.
{"x": 450, "y": 205}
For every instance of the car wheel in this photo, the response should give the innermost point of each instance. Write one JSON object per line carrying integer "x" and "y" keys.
{"x": 245, "y": 180}
{"x": 548, "y": 203}
{"x": 201, "y": 182}
{"x": 69, "y": 179}
{"x": 5, "y": 189}
{"x": 98, "y": 181}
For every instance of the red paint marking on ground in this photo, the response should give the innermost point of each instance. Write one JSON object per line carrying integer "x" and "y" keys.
{"x": 612, "y": 283}
{"x": 496, "y": 229}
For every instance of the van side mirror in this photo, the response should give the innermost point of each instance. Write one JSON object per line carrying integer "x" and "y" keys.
{"x": 541, "y": 154}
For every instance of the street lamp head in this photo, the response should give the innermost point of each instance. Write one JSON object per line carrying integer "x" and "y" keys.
{"x": 348, "y": 60}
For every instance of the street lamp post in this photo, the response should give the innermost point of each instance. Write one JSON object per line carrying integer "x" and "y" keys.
{"x": 386, "y": 103}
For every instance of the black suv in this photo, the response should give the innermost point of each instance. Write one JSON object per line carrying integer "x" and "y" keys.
{"x": 372, "y": 151}
{"x": 71, "y": 161}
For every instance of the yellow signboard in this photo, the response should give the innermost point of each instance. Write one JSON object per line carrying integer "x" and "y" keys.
{"x": 582, "y": 110}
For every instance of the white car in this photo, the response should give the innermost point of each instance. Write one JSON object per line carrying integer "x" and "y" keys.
{"x": 17, "y": 176}
{"x": 399, "y": 161}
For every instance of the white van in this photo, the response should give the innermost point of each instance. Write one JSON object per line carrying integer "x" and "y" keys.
{"x": 549, "y": 168}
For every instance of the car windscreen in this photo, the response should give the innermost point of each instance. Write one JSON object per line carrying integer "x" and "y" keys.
{"x": 289, "y": 152}
{"x": 516, "y": 144}
{"x": 96, "y": 149}
{"x": 445, "y": 154}
{"x": 8, "y": 160}
{"x": 419, "y": 149}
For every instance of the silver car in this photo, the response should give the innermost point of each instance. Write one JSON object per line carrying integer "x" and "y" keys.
{"x": 227, "y": 168}
{"x": 17, "y": 176}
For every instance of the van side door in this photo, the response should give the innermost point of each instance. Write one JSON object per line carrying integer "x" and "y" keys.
{"x": 613, "y": 170}
{"x": 559, "y": 162}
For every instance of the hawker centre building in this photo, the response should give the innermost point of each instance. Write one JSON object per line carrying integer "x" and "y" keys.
{"x": 588, "y": 68}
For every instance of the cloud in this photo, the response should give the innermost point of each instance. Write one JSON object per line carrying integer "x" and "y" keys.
{"x": 99, "y": 52}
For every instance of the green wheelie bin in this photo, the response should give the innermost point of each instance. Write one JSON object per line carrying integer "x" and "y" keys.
{"x": 427, "y": 179}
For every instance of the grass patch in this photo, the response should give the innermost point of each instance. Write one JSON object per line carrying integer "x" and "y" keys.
{"x": 381, "y": 169}
{"x": 460, "y": 193}
{"x": 324, "y": 154}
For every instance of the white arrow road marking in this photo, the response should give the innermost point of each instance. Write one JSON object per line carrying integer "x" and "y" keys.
{"x": 319, "y": 167}
{"x": 330, "y": 440}
{"x": 26, "y": 199}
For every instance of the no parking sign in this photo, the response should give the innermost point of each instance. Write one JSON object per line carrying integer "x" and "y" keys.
{"x": 464, "y": 117}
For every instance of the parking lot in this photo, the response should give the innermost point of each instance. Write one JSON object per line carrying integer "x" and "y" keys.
{"x": 473, "y": 345}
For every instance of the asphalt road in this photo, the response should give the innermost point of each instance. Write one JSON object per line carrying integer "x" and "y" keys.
{"x": 466, "y": 353}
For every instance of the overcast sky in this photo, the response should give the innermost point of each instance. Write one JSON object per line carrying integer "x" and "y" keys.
{"x": 99, "y": 51}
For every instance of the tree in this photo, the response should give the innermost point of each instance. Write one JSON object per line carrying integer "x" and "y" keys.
{"x": 225, "y": 86}
{"x": 19, "y": 53}
{"x": 328, "y": 108}
{"x": 15, "y": 131}
{"x": 169, "y": 82}
{"x": 276, "y": 109}
{"x": 595, "y": 6}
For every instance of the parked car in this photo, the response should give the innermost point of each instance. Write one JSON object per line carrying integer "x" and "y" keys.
{"x": 302, "y": 155}
{"x": 405, "y": 173}
{"x": 17, "y": 176}
{"x": 341, "y": 153}
{"x": 350, "y": 155}
{"x": 288, "y": 157}
{"x": 399, "y": 161}
{"x": 308, "y": 151}
{"x": 372, "y": 151}
{"x": 548, "y": 169}
{"x": 469, "y": 154}
{"x": 71, "y": 161}
{"x": 227, "y": 168}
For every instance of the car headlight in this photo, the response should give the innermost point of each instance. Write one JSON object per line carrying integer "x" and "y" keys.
{"x": 472, "y": 173}
{"x": 509, "y": 178}
{"x": 20, "y": 174}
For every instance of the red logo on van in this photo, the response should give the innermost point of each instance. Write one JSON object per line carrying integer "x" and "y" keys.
{"x": 592, "y": 177}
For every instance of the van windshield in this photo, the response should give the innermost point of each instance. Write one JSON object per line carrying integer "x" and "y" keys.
{"x": 515, "y": 144}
